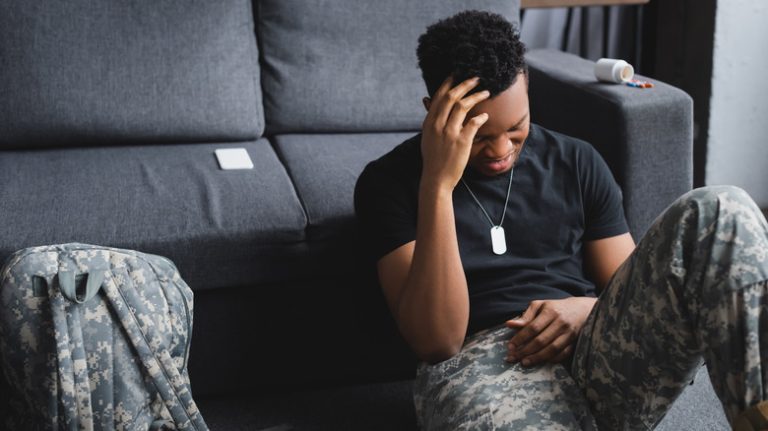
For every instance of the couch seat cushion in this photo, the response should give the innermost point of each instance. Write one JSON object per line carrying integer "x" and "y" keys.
{"x": 325, "y": 168}
{"x": 221, "y": 228}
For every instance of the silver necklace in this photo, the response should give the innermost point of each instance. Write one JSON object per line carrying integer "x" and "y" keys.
{"x": 498, "y": 239}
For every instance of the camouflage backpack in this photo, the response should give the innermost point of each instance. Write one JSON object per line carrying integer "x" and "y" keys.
{"x": 95, "y": 338}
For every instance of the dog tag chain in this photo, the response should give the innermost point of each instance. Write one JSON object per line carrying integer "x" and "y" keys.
{"x": 498, "y": 239}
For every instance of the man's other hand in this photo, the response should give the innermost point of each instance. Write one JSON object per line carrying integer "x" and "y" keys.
{"x": 548, "y": 329}
{"x": 447, "y": 135}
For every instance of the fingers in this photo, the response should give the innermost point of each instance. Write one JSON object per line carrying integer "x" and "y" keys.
{"x": 552, "y": 352}
{"x": 459, "y": 114}
{"x": 531, "y": 330}
{"x": 564, "y": 354}
{"x": 462, "y": 108}
{"x": 547, "y": 330}
{"x": 444, "y": 87}
{"x": 527, "y": 316}
{"x": 457, "y": 111}
{"x": 439, "y": 95}
{"x": 443, "y": 102}
{"x": 473, "y": 125}
{"x": 540, "y": 341}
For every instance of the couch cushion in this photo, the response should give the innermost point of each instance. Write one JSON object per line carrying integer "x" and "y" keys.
{"x": 221, "y": 228}
{"x": 325, "y": 168}
{"x": 348, "y": 65}
{"x": 81, "y": 72}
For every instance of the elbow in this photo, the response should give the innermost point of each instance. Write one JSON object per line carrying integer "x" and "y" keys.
{"x": 435, "y": 340}
{"x": 439, "y": 353}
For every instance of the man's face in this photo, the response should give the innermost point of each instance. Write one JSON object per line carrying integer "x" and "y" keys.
{"x": 499, "y": 141}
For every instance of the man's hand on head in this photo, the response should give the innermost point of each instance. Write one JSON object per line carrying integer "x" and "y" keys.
{"x": 547, "y": 330}
{"x": 447, "y": 135}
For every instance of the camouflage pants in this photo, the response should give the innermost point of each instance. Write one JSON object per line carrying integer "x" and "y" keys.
{"x": 693, "y": 291}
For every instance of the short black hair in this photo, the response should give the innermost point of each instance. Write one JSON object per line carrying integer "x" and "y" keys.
{"x": 472, "y": 43}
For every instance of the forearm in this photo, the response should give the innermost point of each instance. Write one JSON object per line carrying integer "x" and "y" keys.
{"x": 433, "y": 310}
{"x": 430, "y": 299}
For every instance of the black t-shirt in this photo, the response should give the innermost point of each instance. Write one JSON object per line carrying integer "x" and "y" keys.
{"x": 562, "y": 195}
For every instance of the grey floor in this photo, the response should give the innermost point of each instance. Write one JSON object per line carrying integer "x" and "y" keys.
{"x": 698, "y": 408}
{"x": 388, "y": 407}
{"x": 381, "y": 407}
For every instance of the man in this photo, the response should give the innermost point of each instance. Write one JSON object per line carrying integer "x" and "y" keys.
{"x": 493, "y": 236}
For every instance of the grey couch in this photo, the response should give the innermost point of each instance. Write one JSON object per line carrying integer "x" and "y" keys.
{"x": 109, "y": 115}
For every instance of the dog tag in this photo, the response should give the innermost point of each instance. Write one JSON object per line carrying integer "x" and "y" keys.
{"x": 498, "y": 240}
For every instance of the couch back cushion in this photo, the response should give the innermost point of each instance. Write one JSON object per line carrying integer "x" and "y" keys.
{"x": 349, "y": 65}
{"x": 83, "y": 72}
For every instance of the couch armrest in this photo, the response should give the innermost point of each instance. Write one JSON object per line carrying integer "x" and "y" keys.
{"x": 645, "y": 135}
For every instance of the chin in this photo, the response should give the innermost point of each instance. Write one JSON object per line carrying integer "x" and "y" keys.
{"x": 492, "y": 173}
{"x": 494, "y": 169}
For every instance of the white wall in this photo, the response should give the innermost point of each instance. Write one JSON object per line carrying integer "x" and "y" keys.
{"x": 738, "y": 126}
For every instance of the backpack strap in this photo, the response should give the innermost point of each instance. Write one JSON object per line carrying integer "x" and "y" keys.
{"x": 68, "y": 285}
{"x": 134, "y": 317}
{"x": 73, "y": 389}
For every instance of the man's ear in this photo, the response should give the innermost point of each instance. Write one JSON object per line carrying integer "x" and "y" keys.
{"x": 427, "y": 103}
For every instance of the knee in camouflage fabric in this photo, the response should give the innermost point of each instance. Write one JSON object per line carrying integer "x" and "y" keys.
{"x": 694, "y": 290}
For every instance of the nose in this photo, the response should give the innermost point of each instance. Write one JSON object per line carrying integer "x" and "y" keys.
{"x": 498, "y": 148}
